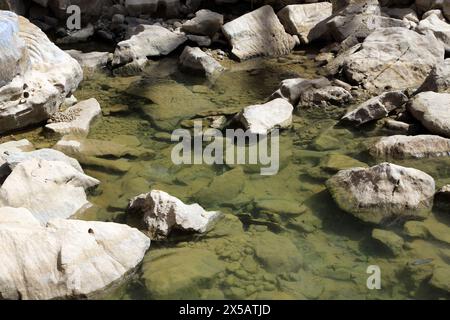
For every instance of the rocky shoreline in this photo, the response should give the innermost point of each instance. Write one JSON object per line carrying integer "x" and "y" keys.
{"x": 385, "y": 63}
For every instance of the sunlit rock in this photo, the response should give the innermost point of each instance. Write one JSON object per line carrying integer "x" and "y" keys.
{"x": 383, "y": 193}
{"x": 161, "y": 213}
{"x": 433, "y": 111}
{"x": 258, "y": 33}
{"x": 63, "y": 258}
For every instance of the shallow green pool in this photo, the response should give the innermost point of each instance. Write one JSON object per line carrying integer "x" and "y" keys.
{"x": 281, "y": 236}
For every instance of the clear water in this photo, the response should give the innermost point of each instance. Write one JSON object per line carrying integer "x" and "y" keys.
{"x": 281, "y": 236}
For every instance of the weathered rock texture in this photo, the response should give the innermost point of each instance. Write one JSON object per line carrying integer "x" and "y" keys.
{"x": 383, "y": 193}
{"x": 258, "y": 33}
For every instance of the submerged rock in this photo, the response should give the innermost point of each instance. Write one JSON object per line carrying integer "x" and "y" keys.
{"x": 376, "y": 108}
{"x": 391, "y": 240}
{"x": 258, "y": 33}
{"x": 277, "y": 253}
{"x": 197, "y": 61}
{"x": 44, "y": 77}
{"x": 76, "y": 120}
{"x": 383, "y": 193}
{"x": 63, "y": 258}
{"x": 384, "y": 60}
{"x": 304, "y": 20}
{"x": 405, "y": 147}
{"x": 162, "y": 212}
{"x": 179, "y": 272}
{"x": 205, "y": 22}
{"x": 441, "y": 278}
{"x": 433, "y": 111}
{"x": 439, "y": 78}
{"x": 49, "y": 189}
{"x": 149, "y": 41}
{"x": 261, "y": 118}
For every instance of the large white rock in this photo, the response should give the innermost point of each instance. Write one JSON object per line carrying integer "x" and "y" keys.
{"x": 304, "y": 20}
{"x": 359, "y": 19}
{"x": 8, "y": 148}
{"x": 50, "y": 76}
{"x": 376, "y": 108}
{"x": 433, "y": 111}
{"x": 392, "y": 58}
{"x": 261, "y": 118}
{"x": 440, "y": 28}
{"x": 150, "y": 41}
{"x": 196, "y": 61}
{"x": 162, "y": 213}
{"x": 12, "y": 60}
{"x": 14, "y": 158}
{"x": 49, "y": 189}
{"x": 383, "y": 193}
{"x": 64, "y": 258}
{"x": 76, "y": 120}
{"x": 205, "y": 22}
{"x": 404, "y": 147}
{"x": 439, "y": 78}
{"x": 258, "y": 33}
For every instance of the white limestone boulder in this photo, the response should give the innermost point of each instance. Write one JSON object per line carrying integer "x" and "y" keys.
{"x": 410, "y": 147}
{"x": 75, "y": 120}
{"x": 258, "y": 33}
{"x": 64, "y": 258}
{"x": 383, "y": 193}
{"x": 149, "y": 41}
{"x": 262, "y": 118}
{"x": 433, "y": 111}
{"x": 196, "y": 61}
{"x": 304, "y": 20}
{"x": 161, "y": 213}
{"x": 391, "y": 59}
{"x": 50, "y": 75}
{"x": 49, "y": 189}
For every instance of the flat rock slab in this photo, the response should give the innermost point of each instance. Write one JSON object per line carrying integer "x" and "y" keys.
{"x": 76, "y": 120}
{"x": 64, "y": 258}
{"x": 304, "y": 20}
{"x": 407, "y": 147}
{"x": 258, "y": 33}
{"x": 433, "y": 111}
{"x": 383, "y": 193}
{"x": 261, "y": 118}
